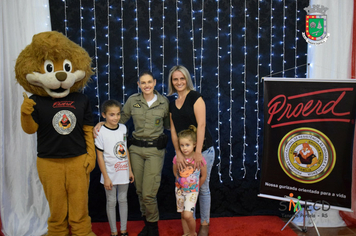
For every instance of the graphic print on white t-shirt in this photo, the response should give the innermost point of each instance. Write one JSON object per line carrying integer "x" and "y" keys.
{"x": 120, "y": 150}
{"x": 121, "y": 165}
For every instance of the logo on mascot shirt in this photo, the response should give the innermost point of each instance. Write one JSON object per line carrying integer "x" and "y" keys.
{"x": 64, "y": 122}
{"x": 63, "y": 104}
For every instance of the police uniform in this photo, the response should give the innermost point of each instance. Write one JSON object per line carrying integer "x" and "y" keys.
{"x": 145, "y": 154}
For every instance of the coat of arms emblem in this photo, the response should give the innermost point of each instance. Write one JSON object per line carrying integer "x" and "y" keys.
{"x": 316, "y": 24}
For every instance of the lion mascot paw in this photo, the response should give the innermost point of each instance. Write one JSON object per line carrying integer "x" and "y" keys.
{"x": 55, "y": 69}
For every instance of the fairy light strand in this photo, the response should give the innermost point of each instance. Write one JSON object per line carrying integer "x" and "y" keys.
{"x": 137, "y": 49}
{"x": 81, "y": 28}
{"x": 81, "y": 22}
{"x": 150, "y": 33}
{"x": 218, "y": 84}
{"x": 245, "y": 91}
{"x": 284, "y": 37}
{"x": 163, "y": 37}
{"x": 65, "y": 18}
{"x": 192, "y": 39}
{"x": 231, "y": 93}
{"x": 96, "y": 59}
{"x": 257, "y": 88}
{"x": 122, "y": 53}
{"x": 296, "y": 40}
{"x": 108, "y": 49}
{"x": 271, "y": 41}
{"x": 201, "y": 46}
{"x": 177, "y": 30}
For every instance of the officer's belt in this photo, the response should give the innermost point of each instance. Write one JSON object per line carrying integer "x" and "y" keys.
{"x": 144, "y": 143}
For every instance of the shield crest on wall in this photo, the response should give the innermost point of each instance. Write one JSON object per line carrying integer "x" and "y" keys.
{"x": 316, "y": 25}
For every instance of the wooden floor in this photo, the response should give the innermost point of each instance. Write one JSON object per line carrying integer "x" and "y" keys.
{"x": 324, "y": 231}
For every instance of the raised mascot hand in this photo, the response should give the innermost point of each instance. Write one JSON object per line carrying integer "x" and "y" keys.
{"x": 27, "y": 122}
{"x": 27, "y": 105}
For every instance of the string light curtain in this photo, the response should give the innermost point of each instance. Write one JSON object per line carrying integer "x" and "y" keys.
{"x": 228, "y": 46}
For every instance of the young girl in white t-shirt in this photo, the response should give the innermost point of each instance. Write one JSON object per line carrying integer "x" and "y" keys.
{"x": 114, "y": 163}
{"x": 188, "y": 180}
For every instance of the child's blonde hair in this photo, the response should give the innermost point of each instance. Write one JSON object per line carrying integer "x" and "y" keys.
{"x": 191, "y": 132}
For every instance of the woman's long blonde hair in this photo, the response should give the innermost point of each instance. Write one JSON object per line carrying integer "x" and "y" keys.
{"x": 185, "y": 72}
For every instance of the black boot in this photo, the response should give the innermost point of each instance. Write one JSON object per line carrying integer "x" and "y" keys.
{"x": 152, "y": 229}
{"x": 144, "y": 231}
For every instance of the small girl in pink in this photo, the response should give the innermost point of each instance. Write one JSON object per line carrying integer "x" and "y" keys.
{"x": 188, "y": 180}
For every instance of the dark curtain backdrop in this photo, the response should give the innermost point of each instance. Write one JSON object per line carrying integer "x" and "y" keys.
{"x": 228, "y": 46}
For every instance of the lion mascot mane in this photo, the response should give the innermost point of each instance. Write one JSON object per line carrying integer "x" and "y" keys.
{"x": 55, "y": 69}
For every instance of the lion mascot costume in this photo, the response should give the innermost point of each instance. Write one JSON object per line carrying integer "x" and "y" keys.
{"x": 55, "y": 69}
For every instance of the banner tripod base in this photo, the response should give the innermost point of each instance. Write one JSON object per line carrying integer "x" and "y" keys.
{"x": 304, "y": 228}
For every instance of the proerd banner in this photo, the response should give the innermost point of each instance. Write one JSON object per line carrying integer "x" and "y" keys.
{"x": 308, "y": 137}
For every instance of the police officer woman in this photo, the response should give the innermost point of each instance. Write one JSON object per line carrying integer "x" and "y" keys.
{"x": 149, "y": 111}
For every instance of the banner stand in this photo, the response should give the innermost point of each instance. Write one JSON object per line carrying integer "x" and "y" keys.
{"x": 304, "y": 227}
{"x": 308, "y": 125}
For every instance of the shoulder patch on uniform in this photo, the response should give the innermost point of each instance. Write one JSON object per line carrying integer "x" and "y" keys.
{"x": 137, "y": 105}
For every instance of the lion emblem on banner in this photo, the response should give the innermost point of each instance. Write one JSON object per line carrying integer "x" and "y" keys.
{"x": 306, "y": 155}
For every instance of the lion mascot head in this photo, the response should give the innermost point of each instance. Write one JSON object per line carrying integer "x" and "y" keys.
{"x": 52, "y": 65}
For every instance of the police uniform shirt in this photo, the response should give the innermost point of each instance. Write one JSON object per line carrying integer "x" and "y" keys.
{"x": 150, "y": 121}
